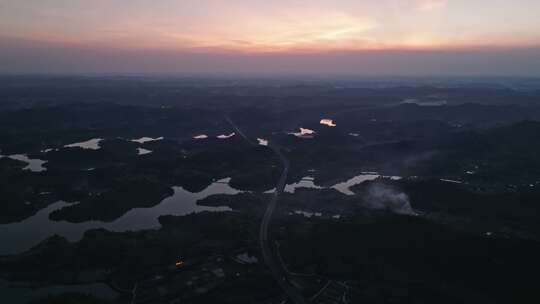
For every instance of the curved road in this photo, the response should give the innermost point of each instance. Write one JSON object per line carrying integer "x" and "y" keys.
{"x": 272, "y": 262}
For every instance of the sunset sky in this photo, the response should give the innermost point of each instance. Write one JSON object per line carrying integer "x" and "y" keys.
{"x": 192, "y": 36}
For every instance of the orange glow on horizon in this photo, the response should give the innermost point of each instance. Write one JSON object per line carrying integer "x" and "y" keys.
{"x": 239, "y": 26}
{"x": 411, "y": 43}
{"x": 280, "y": 36}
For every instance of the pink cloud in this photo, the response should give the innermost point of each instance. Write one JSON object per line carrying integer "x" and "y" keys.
{"x": 429, "y": 5}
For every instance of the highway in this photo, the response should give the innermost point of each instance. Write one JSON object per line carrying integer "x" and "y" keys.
{"x": 271, "y": 260}
{"x": 238, "y": 131}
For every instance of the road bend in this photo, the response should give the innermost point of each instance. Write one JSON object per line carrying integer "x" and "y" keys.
{"x": 271, "y": 260}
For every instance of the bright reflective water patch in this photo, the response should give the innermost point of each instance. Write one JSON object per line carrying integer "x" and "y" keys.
{"x": 306, "y": 182}
{"x": 48, "y": 150}
{"x": 304, "y": 133}
{"x": 224, "y": 136}
{"x": 143, "y": 140}
{"x": 327, "y": 122}
{"x": 451, "y": 181}
{"x": 345, "y": 186}
{"x": 141, "y": 151}
{"x": 262, "y": 142}
{"x": 307, "y": 213}
{"x": 33, "y": 164}
{"x": 245, "y": 258}
{"x": 92, "y": 144}
{"x": 21, "y": 236}
{"x": 428, "y": 103}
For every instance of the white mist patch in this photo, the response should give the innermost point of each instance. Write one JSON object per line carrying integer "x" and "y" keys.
{"x": 143, "y": 140}
{"x": 224, "y": 136}
{"x": 385, "y": 197}
{"x": 92, "y": 144}
{"x": 327, "y": 122}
